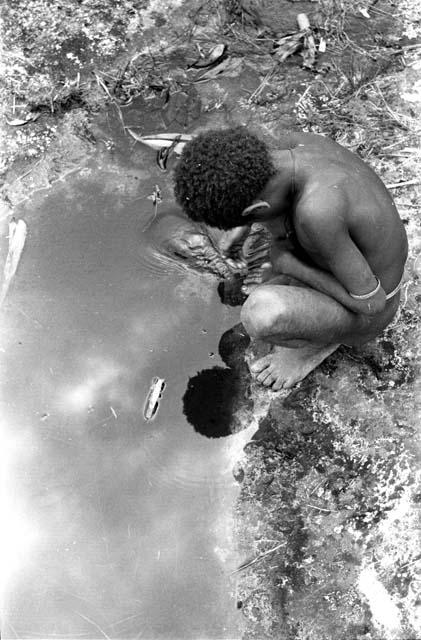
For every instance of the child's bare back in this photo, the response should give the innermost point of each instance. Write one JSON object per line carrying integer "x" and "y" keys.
{"x": 330, "y": 181}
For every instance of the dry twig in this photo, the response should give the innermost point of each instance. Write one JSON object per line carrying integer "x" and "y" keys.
{"x": 245, "y": 565}
{"x": 406, "y": 183}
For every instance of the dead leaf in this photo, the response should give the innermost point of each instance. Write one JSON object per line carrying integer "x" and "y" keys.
{"x": 164, "y": 153}
{"x": 288, "y": 45}
{"x": 215, "y": 55}
{"x": 18, "y": 122}
{"x": 229, "y": 67}
{"x": 160, "y": 141}
{"x": 309, "y": 51}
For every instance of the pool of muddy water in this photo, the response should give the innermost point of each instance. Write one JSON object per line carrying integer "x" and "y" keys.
{"x": 112, "y": 526}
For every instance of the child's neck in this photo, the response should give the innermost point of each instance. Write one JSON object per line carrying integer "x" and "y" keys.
{"x": 279, "y": 191}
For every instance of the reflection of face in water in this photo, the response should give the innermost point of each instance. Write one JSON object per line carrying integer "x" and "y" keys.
{"x": 215, "y": 396}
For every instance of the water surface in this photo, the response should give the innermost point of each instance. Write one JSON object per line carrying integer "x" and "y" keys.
{"x": 115, "y": 527}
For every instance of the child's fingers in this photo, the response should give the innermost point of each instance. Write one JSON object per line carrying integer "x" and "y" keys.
{"x": 236, "y": 265}
{"x": 256, "y": 277}
{"x": 257, "y": 257}
{"x": 266, "y": 271}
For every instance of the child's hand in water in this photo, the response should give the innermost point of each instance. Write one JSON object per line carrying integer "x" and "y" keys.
{"x": 235, "y": 259}
{"x": 256, "y": 277}
{"x": 230, "y": 245}
{"x": 238, "y": 265}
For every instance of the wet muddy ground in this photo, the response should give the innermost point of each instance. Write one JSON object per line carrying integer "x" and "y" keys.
{"x": 325, "y": 531}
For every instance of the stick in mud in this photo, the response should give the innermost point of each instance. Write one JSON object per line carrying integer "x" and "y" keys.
{"x": 244, "y": 565}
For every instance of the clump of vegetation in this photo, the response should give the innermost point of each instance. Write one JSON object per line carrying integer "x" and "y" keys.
{"x": 61, "y": 39}
{"x": 51, "y": 49}
{"x": 51, "y": 52}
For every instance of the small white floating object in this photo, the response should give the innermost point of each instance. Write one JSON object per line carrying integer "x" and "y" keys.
{"x": 159, "y": 141}
{"x": 151, "y": 406}
{"x": 17, "y": 237}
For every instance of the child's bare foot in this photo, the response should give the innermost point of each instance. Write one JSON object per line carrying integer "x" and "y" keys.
{"x": 284, "y": 367}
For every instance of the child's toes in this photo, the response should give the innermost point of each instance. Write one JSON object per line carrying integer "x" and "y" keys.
{"x": 278, "y": 384}
{"x": 260, "y": 365}
{"x": 263, "y": 375}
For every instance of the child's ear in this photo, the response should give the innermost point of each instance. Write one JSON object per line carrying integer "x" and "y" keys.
{"x": 260, "y": 204}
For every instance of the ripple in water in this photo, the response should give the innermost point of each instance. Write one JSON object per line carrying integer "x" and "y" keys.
{"x": 155, "y": 262}
{"x": 190, "y": 470}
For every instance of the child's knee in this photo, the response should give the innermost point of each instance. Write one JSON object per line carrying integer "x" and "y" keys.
{"x": 261, "y": 312}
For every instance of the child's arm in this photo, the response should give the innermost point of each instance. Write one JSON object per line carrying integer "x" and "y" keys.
{"x": 348, "y": 278}
{"x": 230, "y": 244}
{"x": 289, "y": 264}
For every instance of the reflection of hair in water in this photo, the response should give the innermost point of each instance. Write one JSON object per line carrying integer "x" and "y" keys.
{"x": 211, "y": 400}
{"x": 232, "y": 346}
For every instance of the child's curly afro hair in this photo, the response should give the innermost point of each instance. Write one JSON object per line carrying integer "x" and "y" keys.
{"x": 219, "y": 174}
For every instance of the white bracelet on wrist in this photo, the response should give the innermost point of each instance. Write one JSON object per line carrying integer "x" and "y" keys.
{"x": 366, "y": 296}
